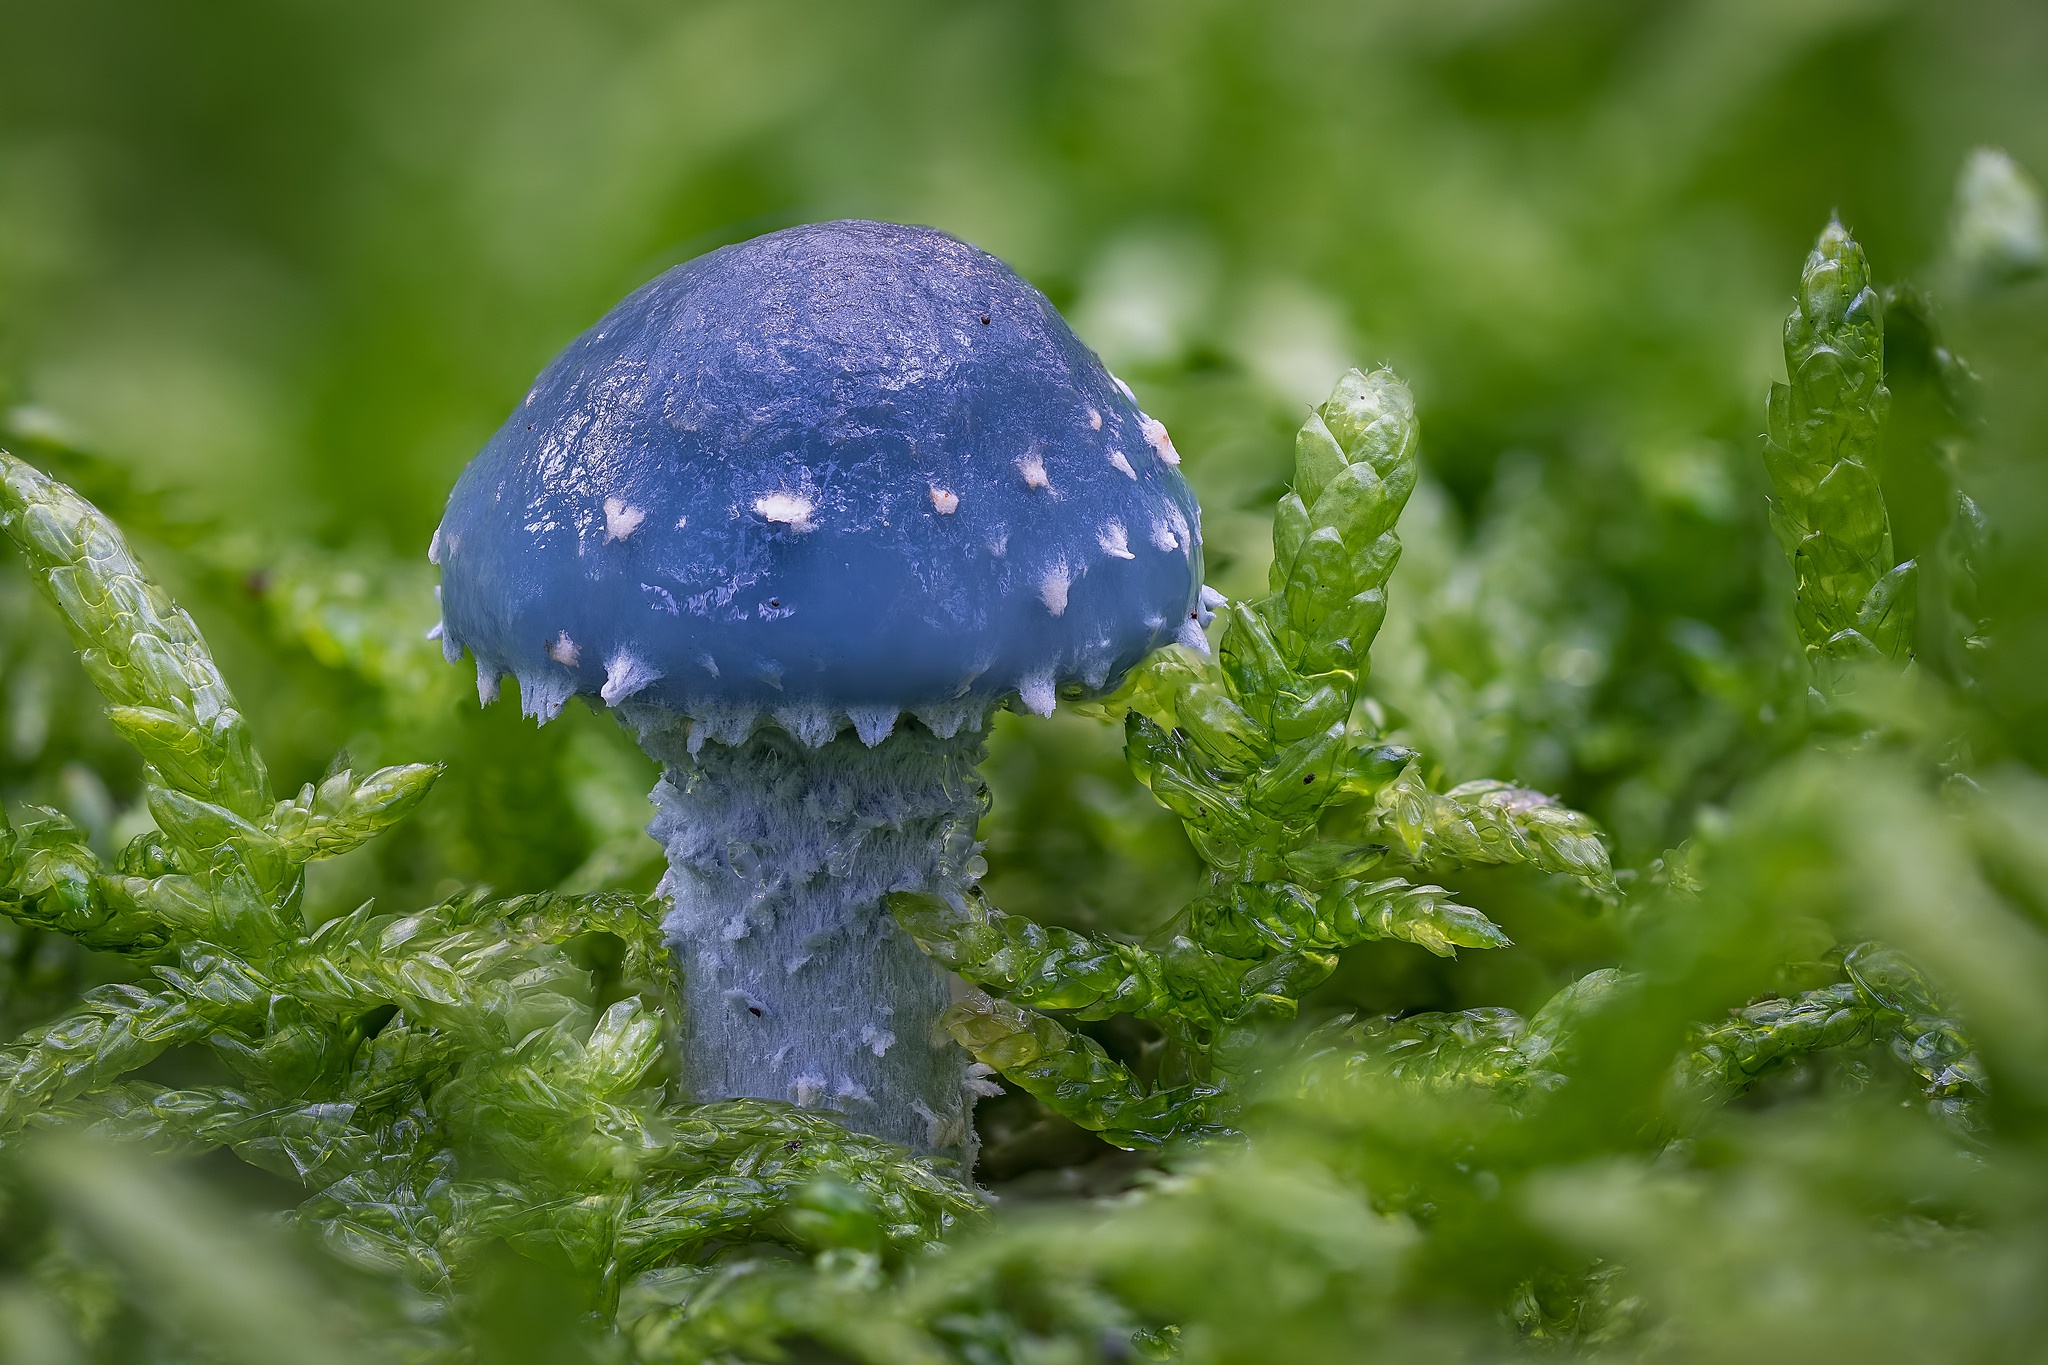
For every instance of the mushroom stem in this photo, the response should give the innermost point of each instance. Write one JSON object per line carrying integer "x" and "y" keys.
{"x": 797, "y": 984}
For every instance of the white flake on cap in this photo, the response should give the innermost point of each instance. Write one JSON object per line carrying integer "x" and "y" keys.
{"x": 719, "y": 723}
{"x": 1052, "y": 589}
{"x": 620, "y": 520}
{"x": 1032, "y": 466}
{"x": 1156, "y": 437}
{"x": 542, "y": 698}
{"x": 434, "y": 547}
{"x": 872, "y": 724}
{"x": 1115, "y": 541}
{"x": 1037, "y": 694}
{"x": 564, "y": 650}
{"x": 788, "y": 509}
{"x": 1118, "y": 462}
{"x": 1191, "y": 635}
{"x": 812, "y": 722}
{"x": 1163, "y": 537}
{"x": 1206, "y": 603}
{"x": 624, "y": 676}
{"x": 487, "y": 679}
{"x": 1094, "y": 420}
{"x": 946, "y": 719}
{"x": 943, "y": 502}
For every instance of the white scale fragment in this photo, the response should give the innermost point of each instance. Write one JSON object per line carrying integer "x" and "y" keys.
{"x": 620, "y": 520}
{"x": 1032, "y": 466}
{"x": 810, "y": 722}
{"x": 872, "y": 724}
{"x": 947, "y": 719}
{"x": 1156, "y": 437}
{"x": 943, "y": 502}
{"x": 1052, "y": 589}
{"x": 934, "y": 1126}
{"x": 1115, "y": 541}
{"x": 787, "y": 509}
{"x": 1163, "y": 537}
{"x": 564, "y": 650}
{"x": 1122, "y": 465}
{"x": 1037, "y": 693}
{"x": 625, "y": 676}
{"x": 543, "y": 698}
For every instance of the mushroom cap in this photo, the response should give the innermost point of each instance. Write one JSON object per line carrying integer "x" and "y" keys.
{"x": 849, "y": 465}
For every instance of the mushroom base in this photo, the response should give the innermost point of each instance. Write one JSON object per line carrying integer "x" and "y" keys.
{"x": 797, "y": 983}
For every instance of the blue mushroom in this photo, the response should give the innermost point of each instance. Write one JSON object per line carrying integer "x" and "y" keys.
{"x": 803, "y": 511}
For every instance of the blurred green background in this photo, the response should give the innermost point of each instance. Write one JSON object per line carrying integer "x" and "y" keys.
{"x": 271, "y": 272}
{"x": 284, "y": 266}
